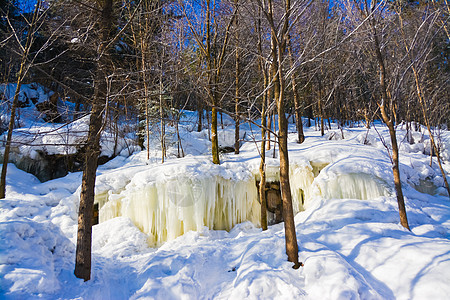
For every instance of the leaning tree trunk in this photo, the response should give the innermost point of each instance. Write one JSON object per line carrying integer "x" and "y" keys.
{"x": 10, "y": 130}
{"x": 84, "y": 235}
{"x": 288, "y": 213}
{"x": 22, "y": 72}
{"x": 395, "y": 168}
{"x": 388, "y": 121}
{"x": 420, "y": 96}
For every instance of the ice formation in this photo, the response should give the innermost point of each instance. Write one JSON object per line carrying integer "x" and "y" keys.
{"x": 169, "y": 208}
{"x": 351, "y": 186}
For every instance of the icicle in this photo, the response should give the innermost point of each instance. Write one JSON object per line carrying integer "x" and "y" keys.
{"x": 353, "y": 185}
{"x": 167, "y": 209}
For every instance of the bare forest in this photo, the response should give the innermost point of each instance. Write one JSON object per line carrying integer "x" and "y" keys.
{"x": 143, "y": 63}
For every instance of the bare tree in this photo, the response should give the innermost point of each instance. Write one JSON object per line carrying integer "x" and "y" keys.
{"x": 105, "y": 17}
{"x": 426, "y": 25}
{"x": 373, "y": 12}
{"x": 237, "y": 77}
{"x": 213, "y": 52}
{"x": 25, "y": 64}
{"x": 279, "y": 39}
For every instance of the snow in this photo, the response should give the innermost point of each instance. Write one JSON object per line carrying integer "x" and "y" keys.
{"x": 188, "y": 229}
{"x": 36, "y": 136}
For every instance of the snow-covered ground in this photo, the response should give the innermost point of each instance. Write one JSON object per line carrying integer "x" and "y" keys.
{"x": 348, "y": 229}
{"x": 33, "y": 134}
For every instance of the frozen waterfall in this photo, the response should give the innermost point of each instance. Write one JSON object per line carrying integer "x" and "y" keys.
{"x": 166, "y": 209}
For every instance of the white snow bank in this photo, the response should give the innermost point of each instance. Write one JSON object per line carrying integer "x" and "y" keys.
{"x": 32, "y": 256}
{"x": 352, "y": 248}
{"x": 29, "y": 94}
{"x": 66, "y": 139}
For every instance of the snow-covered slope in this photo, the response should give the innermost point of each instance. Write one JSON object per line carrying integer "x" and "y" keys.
{"x": 349, "y": 235}
{"x": 50, "y": 147}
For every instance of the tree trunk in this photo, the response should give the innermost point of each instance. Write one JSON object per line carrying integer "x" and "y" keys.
{"x": 288, "y": 213}
{"x": 180, "y": 145}
{"x": 161, "y": 115}
{"x": 200, "y": 117}
{"x": 396, "y": 168}
{"x": 211, "y": 87}
{"x": 274, "y": 155}
{"x": 269, "y": 121}
{"x": 262, "y": 166}
{"x": 208, "y": 123}
{"x": 388, "y": 121}
{"x": 320, "y": 108}
{"x": 22, "y": 72}
{"x": 237, "y": 70}
{"x": 265, "y": 97}
{"x": 10, "y": 130}
{"x": 86, "y": 210}
{"x": 297, "y": 105}
{"x": 366, "y": 117}
{"x": 146, "y": 103}
{"x": 278, "y": 47}
{"x": 84, "y": 235}
{"x": 309, "y": 109}
{"x": 214, "y": 136}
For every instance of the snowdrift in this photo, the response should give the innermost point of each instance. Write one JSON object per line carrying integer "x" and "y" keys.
{"x": 347, "y": 225}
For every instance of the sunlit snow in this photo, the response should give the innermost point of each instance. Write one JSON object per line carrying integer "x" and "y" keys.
{"x": 189, "y": 229}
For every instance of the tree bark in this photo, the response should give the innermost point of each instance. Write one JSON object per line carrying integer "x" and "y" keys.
{"x": 86, "y": 209}
{"x": 269, "y": 117}
{"x": 262, "y": 166}
{"x": 396, "y": 168}
{"x": 388, "y": 121}
{"x": 265, "y": 97}
{"x": 288, "y": 213}
{"x": 200, "y": 117}
{"x": 278, "y": 48}
{"x": 297, "y": 105}
{"x": 22, "y": 72}
{"x": 237, "y": 74}
{"x": 320, "y": 107}
{"x": 161, "y": 113}
{"x": 214, "y": 136}
{"x": 212, "y": 87}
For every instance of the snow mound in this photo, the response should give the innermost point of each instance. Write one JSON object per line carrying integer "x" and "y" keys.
{"x": 32, "y": 256}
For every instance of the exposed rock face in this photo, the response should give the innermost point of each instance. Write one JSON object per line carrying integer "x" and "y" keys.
{"x": 274, "y": 204}
{"x": 49, "y": 109}
{"x": 49, "y": 166}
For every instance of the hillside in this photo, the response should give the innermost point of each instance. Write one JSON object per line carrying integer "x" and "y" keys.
{"x": 348, "y": 229}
